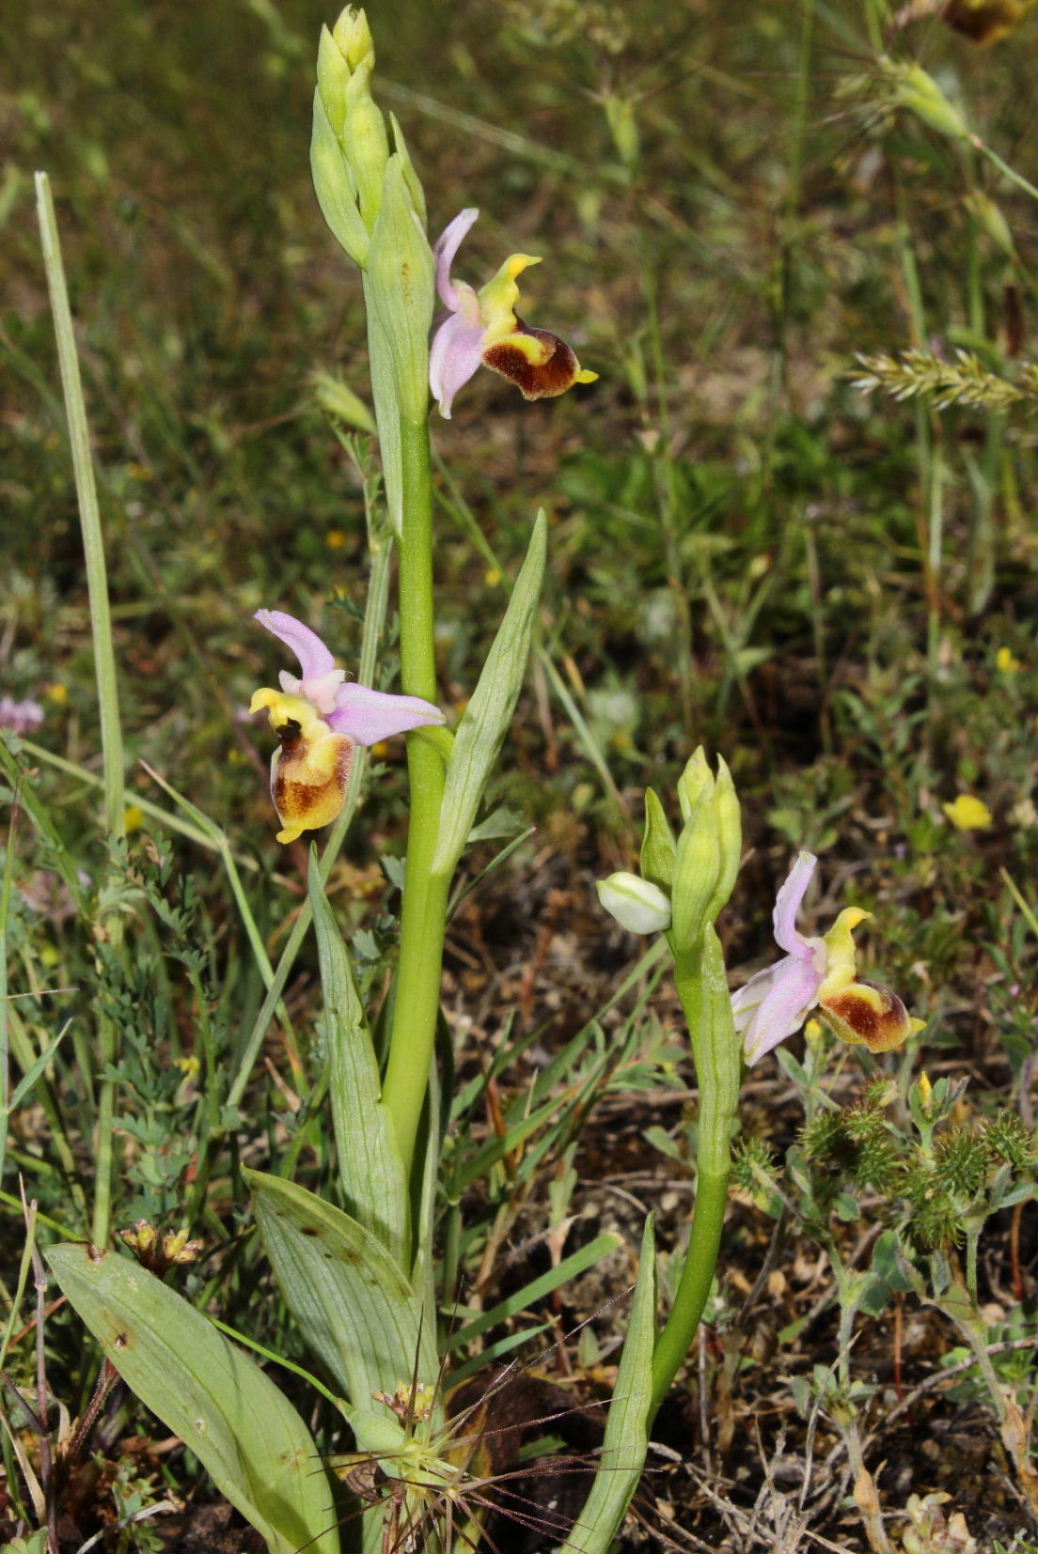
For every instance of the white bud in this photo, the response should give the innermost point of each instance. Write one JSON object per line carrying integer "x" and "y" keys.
{"x": 637, "y": 904}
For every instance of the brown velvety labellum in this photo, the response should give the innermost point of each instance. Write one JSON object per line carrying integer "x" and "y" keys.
{"x": 554, "y": 376}
{"x": 310, "y": 805}
{"x": 882, "y": 1023}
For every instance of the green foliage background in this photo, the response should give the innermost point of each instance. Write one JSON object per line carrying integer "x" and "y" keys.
{"x": 745, "y": 547}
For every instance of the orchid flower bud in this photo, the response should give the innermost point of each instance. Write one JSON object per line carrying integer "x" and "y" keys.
{"x": 694, "y": 779}
{"x": 696, "y": 873}
{"x": 349, "y": 147}
{"x": 703, "y": 873}
{"x": 728, "y": 818}
{"x": 637, "y": 904}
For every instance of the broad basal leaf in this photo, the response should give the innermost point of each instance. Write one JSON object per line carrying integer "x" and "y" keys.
{"x": 243, "y": 1430}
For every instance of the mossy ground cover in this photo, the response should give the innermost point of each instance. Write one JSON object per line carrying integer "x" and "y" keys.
{"x": 830, "y": 585}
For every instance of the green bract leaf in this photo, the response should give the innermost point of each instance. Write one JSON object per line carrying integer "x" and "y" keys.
{"x": 481, "y": 731}
{"x": 400, "y": 292}
{"x": 370, "y": 1168}
{"x": 247, "y": 1435}
{"x": 411, "y": 178}
{"x": 336, "y": 192}
{"x": 387, "y": 414}
{"x": 659, "y": 849}
{"x": 717, "y": 1051}
{"x": 630, "y": 1418}
{"x": 355, "y": 1308}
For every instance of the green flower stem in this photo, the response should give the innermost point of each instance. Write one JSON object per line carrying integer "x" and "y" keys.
{"x": 703, "y": 990}
{"x": 424, "y": 915}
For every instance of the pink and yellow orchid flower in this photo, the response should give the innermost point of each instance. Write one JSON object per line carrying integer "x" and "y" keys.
{"x": 817, "y": 973}
{"x": 482, "y": 329}
{"x": 319, "y": 720}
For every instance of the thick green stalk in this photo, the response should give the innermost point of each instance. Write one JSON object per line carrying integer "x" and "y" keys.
{"x": 424, "y": 914}
{"x": 703, "y": 990}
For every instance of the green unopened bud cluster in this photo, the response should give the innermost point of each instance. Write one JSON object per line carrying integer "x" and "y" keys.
{"x": 372, "y": 200}
{"x": 684, "y": 881}
{"x": 350, "y": 150}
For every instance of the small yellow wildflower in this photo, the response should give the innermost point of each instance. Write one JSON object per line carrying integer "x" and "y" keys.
{"x": 1006, "y": 661}
{"x": 813, "y": 1032}
{"x": 58, "y": 694}
{"x": 335, "y": 539}
{"x": 133, "y": 818}
{"x": 967, "y": 813}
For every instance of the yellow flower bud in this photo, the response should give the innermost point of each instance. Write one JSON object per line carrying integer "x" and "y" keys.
{"x": 925, "y": 1092}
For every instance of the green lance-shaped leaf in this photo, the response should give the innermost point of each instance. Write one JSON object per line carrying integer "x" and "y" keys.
{"x": 370, "y": 1168}
{"x": 354, "y": 1307}
{"x": 243, "y": 1430}
{"x": 481, "y": 731}
{"x": 630, "y": 1417}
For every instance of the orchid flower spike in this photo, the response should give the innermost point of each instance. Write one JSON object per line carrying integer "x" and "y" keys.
{"x": 318, "y": 720}
{"x": 482, "y": 328}
{"x": 816, "y": 973}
